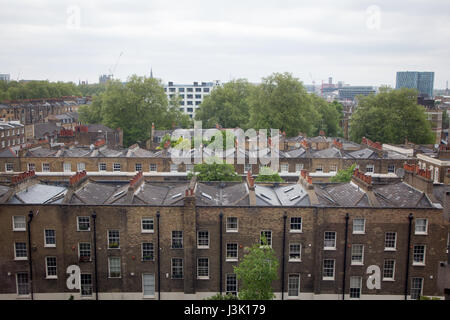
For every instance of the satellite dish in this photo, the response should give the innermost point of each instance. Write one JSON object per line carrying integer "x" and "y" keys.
{"x": 400, "y": 172}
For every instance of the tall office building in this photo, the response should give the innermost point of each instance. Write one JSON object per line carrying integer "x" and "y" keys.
{"x": 191, "y": 94}
{"x": 4, "y": 77}
{"x": 422, "y": 81}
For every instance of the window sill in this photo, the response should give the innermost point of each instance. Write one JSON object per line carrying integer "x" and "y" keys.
{"x": 19, "y": 230}
{"x": 202, "y": 278}
{"x": 328, "y": 278}
{"x": 20, "y": 259}
{"x": 329, "y": 249}
{"x": 357, "y": 264}
{"x": 295, "y": 231}
{"x": 51, "y": 278}
{"x": 147, "y": 231}
{"x": 388, "y": 280}
{"x": 232, "y": 260}
{"x": 83, "y": 230}
{"x": 421, "y": 233}
{"x": 418, "y": 264}
{"x": 294, "y": 260}
{"x": 390, "y": 249}
{"x": 49, "y": 246}
{"x": 359, "y": 232}
{"x": 202, "y": 247}
{"x": 148, "y": 297}
{"x": 232, "y": 231}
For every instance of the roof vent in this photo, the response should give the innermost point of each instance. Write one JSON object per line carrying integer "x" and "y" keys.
{"x": 290, "y": 189}
{"x": 176, "y": 195}
{"x": 206, "y": 196}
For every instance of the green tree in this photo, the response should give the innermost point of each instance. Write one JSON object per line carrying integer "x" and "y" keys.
{"x": 215, "y": 172}
{"x": 344, "y": 175}
{"x": 226, "y": 105}
{"x": 330, "y": 116}
{"x": 257, "y": 271}
{"x": 219, "y": 296}
{"x": 268, "y": 175}
{"x": 445, "y": 120}
{"x": 391, "y": 116}
{"x": 133, "y": 107}
{"x": 281, "y": 102}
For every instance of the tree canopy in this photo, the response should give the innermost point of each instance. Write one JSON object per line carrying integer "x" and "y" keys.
{"x": 215, "y": 172}
{"x": 391, "y": 116}
{"x": 133, "y": 107}
{"x": 266, "y": 174}
{"x": 226, "y": 105}
{"x": 257, "y": 270}
{"x": 344, "y": 175}
{"x": 17, "y": 90}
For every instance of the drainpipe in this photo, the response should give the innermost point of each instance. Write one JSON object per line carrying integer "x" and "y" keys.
{"x": 94, "y": 216}
{"x": 283, "y": 257}
{"x": 159, "y": 260}
{"x": 345, "y": 256}
{"x": 410, "y": 217}
{"x": 30, "y": 261}
{"x": 220, "y": 251}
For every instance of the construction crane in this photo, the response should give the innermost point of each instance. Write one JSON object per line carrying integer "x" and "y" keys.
{"x": 111, "y": 72}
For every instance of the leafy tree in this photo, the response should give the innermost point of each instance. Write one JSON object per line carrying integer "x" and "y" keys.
{"x": 268, "y": 175}
{"x": 257, "y": 271}
{"x": 344, "y": 175}
{"x": 226, "y": 142}
{"x": 391, "y": 116}
{"x": 281, "y": 102}
{"x": 329, "y": 116}
{"x": 215, "y": 172}
{"x": 133, "y": 107}
{"x": 226, "y": 105}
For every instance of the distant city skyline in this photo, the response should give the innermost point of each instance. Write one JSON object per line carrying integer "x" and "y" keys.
{"x": 358, "y": 42}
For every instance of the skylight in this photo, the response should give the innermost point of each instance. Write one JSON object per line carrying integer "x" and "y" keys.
{"x": 206, "y": 196}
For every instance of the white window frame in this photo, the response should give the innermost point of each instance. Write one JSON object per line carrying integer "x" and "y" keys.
{"x": 389, "y": 169}
{"x": 49, "y": 245}
{"x": 181, "y": 267}
{"x": 269, "y": 238}
{"x": 298, "y": 167}
{"x": 83, "y": 285}
{"x": 148, "y": 296}
{"x": 178, "y": 238}
{"x": 9, "y": 167}
{"x": 363, "y": 226}
{"x": 395, "y": 241}
{"x": 247, "y": 167}
{"x": 152, "y": 251}
{"x": 81, "y": 166}
{"x": 47, "y": 276}
{"x": 420, "y": 232}
{"x": 109, "y": 267}
{"x": 31, "y": 167}
{"x": 24, "y": 228}
{"x": 201, "y": 240}
{"x": 358, "y": 262}
{"x": 28, "y": 284}
{"x": 228, "y": 223}
{"x": 319, "y": 168}
{"x": 155, "y": 167}
{"x": 325, "y": 240}
{"x": 202, "y": 268}
{"x": 146, "y": 220}
{"x": 15, "y": 252}
{"x": 359, "y": 287}
{"x": 291, "y": 230}
{"x": 284, "y": 167}
{"x": 414, "y": 288}
{"x": 100, "y": 165}
{"x": 297, "y": 285}
{"x": 370, "y": 168}
{"x": 67, "y": 167}
{"x": 299, "y": 259}
{"x": 110, "y": 239}
{"x": 327, "y": 278}
{"x": 231, "y": 280}
{"x": 117, "y": 167}
{"x": 235, "y": 257}
{"x": 333, "y": 168}
{"x": 44, "y": 167}
{"x": 84, "y": 249}
{"x": 78, "y": 223}
{"x": 393, "y": 270}
{"x": 419, "y": 263}
{"x": 137, "y": 166}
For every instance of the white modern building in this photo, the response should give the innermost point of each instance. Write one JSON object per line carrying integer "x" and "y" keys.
{"x": 191, "y": 94}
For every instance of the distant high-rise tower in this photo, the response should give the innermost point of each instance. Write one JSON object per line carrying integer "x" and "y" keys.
{"x": 151, "y": 73}
{"x": 422, "y": 81}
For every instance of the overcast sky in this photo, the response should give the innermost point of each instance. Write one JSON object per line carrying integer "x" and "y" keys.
{"x": 358, "y": 42}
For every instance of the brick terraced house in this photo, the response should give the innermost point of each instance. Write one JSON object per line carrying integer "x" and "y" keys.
{"x": 143, "y": 239}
